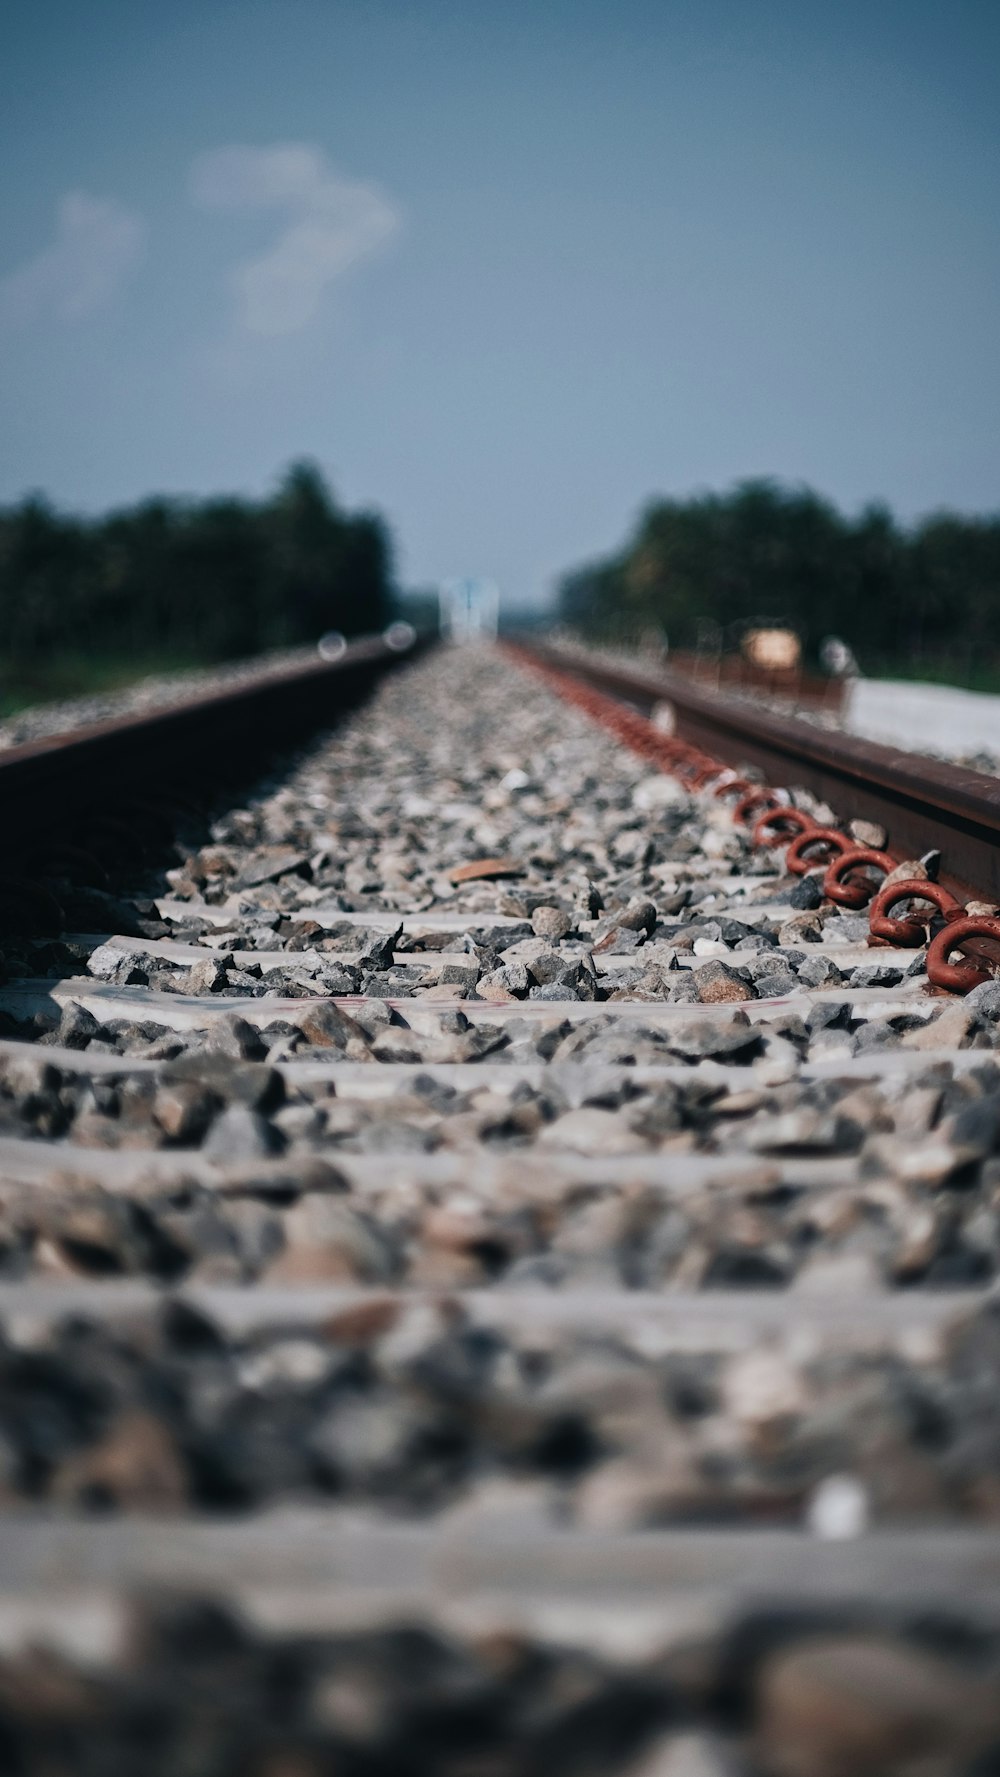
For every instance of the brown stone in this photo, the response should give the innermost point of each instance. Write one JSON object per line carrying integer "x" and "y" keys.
{"x": 49, "y": 1260}
{"x": 84, "y": 1238}
{"x": 39, "y": 1686}
{"x": 136, "y": 1465}
{"x": 455, "y": 1227}
{"x": 365, "y": 1323}
{"x": 306, "y": 932}
{"x": 496, "y": 993}
{"x": 328, "y": 1027}
{"x": 856, "y": 1706}
{"x": 717, "y": 984}
{"x": 182, "y": 1109}
{"x": 802, "y": 928}
{"x": 481, "y": 868}
{"x": 551, "y": 922}
{"x": 285, "y": 1763}
{"x": 639, "y": 915}
{"x": 92, "y": 1130}
{"x": 437, "y": 1268}
{"x": 326, "y": 1242}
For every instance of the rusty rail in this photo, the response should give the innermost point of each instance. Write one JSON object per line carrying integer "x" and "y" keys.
{"x": 923, "y": 803}
{"x": 211, "y": 735}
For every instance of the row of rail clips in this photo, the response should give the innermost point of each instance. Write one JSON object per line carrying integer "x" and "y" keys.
{"x": 934, "y": 917}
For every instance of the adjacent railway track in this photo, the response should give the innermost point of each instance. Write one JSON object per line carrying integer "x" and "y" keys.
{"x": 491, "y": 1258}
{"x": 57, "y": 789}
{"x": 923, "y": 803}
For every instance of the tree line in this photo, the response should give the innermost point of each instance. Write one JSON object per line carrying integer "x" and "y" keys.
{"x": 700, "y": 570}
{"x": 200, "y": 580}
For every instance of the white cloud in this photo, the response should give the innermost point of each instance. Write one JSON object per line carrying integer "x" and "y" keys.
{"x": 329, "y": 224}
{"x": 97, "y": 242}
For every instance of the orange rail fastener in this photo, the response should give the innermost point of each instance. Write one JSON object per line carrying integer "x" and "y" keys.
{"x": 830, "y": 838}
{"x": 955, "y": 935}
{"x": 733, "y": 785}
{"x": 910, "y": 932}
{"x": 794, "y": 819}
{"x": 852, "y": 863}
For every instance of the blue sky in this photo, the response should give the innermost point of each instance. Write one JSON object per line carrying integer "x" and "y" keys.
{"x": 504, "y": 270}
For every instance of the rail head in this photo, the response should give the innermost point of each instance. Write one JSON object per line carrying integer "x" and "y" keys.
{"x": 268, "y": 707}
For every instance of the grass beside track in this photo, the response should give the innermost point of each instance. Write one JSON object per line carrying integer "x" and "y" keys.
{"x": 23, "y": 684}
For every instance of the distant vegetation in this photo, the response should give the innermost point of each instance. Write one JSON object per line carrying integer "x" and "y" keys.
{"x": 89, "y": 602}
{"x": 924, "y": 599}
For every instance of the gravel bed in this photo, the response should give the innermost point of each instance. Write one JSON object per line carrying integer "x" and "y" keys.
{"x": 767, "y": 1694}
{"x": 411, "y": 1407}
{"x": 915, "y": 1197}
{"x": 511, "y": 856}
{"x": 469, "y": 1001}
{"x": 568, "y": 871}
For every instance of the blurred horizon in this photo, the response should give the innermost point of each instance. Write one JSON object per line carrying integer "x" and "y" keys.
{"x": 505, "y": 275}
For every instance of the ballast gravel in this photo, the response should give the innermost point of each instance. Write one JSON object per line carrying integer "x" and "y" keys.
{"x": 469, "y": 1000}
{"x": 410, "y": 1407}
{"x": 453, "y": 853}
{"x": 765, "y": 1693}
{"x": 910, "y": 1192}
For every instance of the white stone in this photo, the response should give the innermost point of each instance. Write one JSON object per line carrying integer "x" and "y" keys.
{"x": 838, "y": 1509}
{"x": 658, "y": 792}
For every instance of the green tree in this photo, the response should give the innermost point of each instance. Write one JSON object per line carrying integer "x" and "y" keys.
{"x": 763, "y": 550}
{"x": 200, "y": 579}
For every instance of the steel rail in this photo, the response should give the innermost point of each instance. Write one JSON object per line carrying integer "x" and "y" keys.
{"x": 211, "y": 732}
{"x": 923, "y": 803}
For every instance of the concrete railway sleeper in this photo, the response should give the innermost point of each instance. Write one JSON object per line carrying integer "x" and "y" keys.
{"x": 498, "y": 1257}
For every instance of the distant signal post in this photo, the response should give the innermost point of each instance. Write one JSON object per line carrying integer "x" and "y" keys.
{"x": 470, "y": 610}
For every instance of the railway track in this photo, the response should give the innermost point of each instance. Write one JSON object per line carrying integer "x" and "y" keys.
{"x": 497, "y": 1274}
